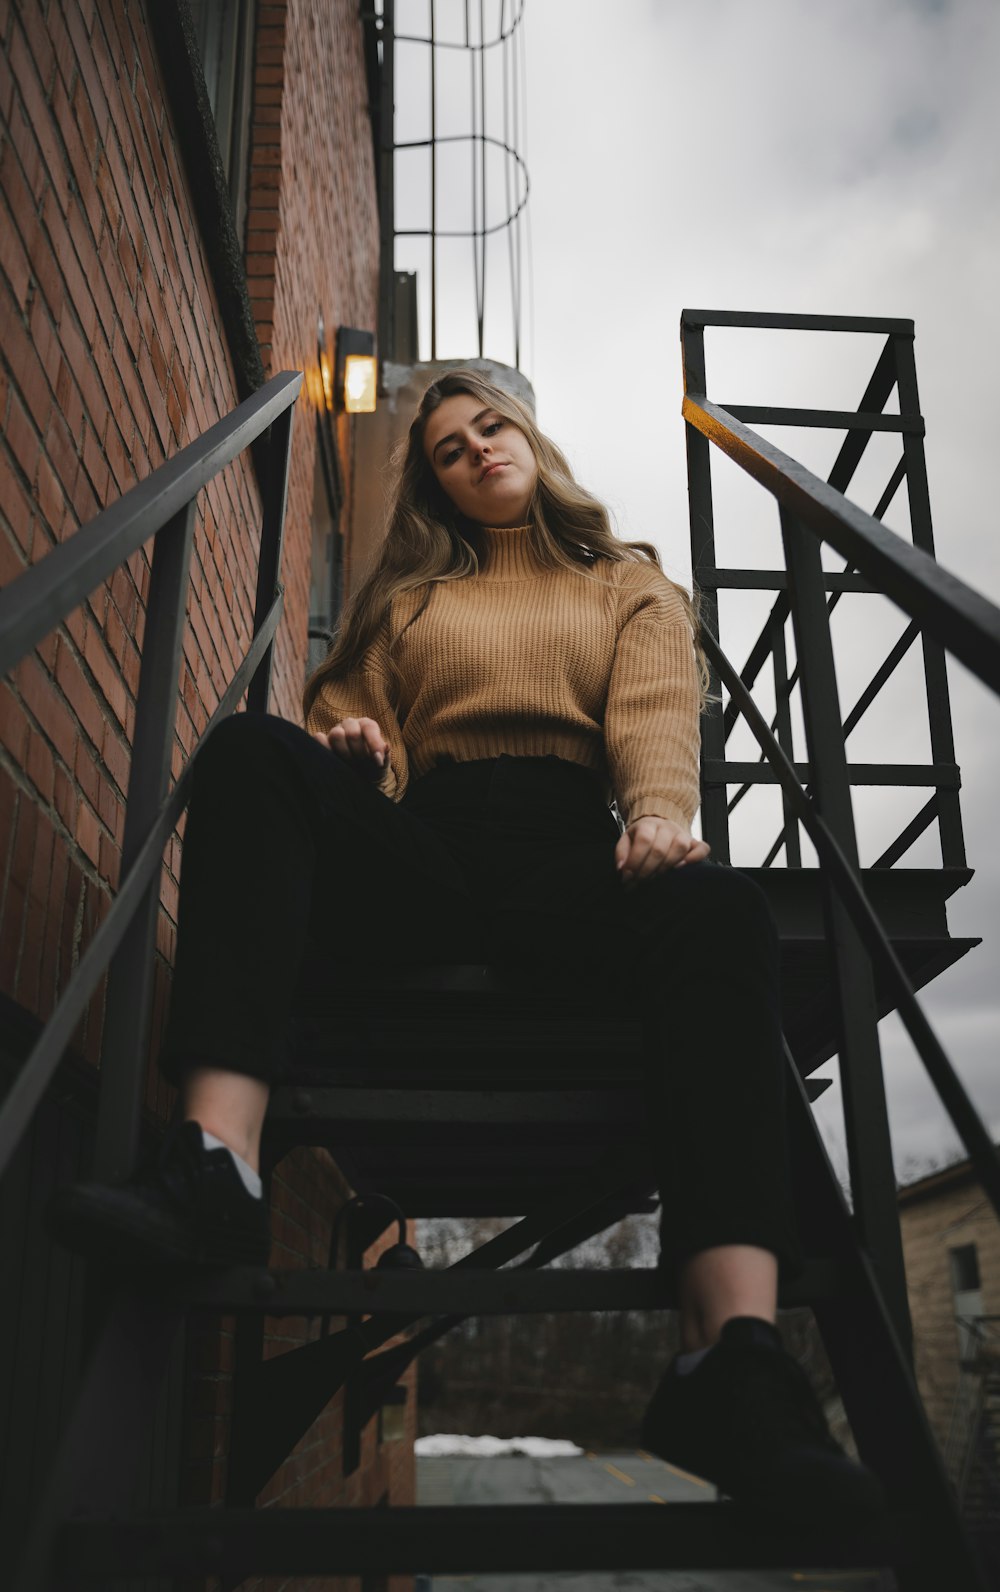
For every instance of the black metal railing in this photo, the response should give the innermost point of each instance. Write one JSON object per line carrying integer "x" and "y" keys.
{"x": 160, "y": 507}
{"x": 947, "y": 614}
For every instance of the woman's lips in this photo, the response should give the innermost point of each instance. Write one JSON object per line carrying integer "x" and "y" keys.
{"x": 491, "y": 470}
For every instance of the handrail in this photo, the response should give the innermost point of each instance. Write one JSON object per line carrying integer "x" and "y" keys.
{"x": 956, "y": 615}
{"x": 37, "y": 601}
{"x": 160, "y": 507}
{"x": 982, "y": 1151}
{"x": 26, "y": 1092}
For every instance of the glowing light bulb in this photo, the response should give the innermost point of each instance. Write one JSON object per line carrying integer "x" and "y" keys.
{"x": 359, "y": 384}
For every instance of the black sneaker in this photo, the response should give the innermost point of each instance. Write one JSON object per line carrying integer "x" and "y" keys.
{"x": 747, "y": 1419}
{"x": 186, "y": 1206}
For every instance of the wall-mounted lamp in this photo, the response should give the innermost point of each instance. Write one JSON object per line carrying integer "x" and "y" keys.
{"x": 355, "y": 378}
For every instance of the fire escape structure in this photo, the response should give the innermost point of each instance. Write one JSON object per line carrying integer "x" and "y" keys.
{"x": 468, "y": 1090}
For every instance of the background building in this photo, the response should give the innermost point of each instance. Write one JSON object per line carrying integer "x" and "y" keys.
{"x": 951, "y": 1240}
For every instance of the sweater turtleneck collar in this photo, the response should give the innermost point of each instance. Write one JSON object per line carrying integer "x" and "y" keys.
{"x": 506, "y": 554}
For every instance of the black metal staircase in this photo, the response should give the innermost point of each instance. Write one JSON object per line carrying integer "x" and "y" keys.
{"x": 471, "y": 1090}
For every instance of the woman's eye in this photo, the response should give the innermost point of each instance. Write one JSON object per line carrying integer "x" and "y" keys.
{"x": 450, "y": 458}
{"x": 494, "y": 425}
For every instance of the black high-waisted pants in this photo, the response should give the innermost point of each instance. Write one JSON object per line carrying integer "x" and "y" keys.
{"x": 510, "y": 859}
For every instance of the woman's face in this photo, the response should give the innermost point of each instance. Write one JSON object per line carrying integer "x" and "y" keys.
{"x": 483, "y": 461}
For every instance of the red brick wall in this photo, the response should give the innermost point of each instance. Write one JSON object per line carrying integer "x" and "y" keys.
{"x": 312, "y": 242}
{"x": 114, "y": 357}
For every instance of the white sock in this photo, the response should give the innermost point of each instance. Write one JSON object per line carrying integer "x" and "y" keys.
{"x": 687, "y": 1362}
{"x": 251, "y": 1179}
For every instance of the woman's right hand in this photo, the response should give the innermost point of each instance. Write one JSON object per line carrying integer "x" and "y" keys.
{"x": 360, "y": 742}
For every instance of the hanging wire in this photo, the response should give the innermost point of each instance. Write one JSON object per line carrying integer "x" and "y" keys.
{"x": 520, "y": 45}
{"x": 513, "y": 233}
{"x": 434, "y": 144}
{"x": 482, "y": 158}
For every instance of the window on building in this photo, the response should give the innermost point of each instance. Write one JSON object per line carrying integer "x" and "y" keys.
{"x": 964, "y": 1269}
{"x": 968, "y": 1296}
{"x": 225, "y": 31}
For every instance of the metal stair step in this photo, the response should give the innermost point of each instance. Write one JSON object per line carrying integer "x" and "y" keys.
{"x": 457, "y": 1540}
{"x": 459, "y": 1290}
{"x": 373, "y": 1116}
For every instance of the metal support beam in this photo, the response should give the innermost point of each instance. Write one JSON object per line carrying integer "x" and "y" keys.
{"x": 935, "y": 667}
{"x": 130, "y": 984}
{"x": 498, "y": 1539}
{"x": 714, "y": 814}
{"x": 277, "y": 455}
{"x": 866, "y": 1119}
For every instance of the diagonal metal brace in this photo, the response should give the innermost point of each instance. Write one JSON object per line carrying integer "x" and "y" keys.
{"x": 281, "y": 1397}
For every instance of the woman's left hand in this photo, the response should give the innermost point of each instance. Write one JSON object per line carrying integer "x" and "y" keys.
{"x": 651, "y": 845}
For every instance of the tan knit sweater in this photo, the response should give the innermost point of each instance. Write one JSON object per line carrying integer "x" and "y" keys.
{"x": 528, "y": 660}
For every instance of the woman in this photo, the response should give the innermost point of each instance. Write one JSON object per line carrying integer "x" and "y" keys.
{"x": 505, "y": 667}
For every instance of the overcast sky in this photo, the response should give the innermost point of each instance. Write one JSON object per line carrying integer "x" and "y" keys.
{"x": 836, "y": 157}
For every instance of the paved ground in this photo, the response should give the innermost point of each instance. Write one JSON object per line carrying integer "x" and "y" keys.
{"x": 603, "y": 1478}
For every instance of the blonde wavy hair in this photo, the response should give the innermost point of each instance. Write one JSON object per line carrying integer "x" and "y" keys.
{"x": 428, "y": 541}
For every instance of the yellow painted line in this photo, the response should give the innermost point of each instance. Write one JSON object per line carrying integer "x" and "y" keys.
{"x": 654, "y": 1459}
{"x": 614, "y": 1471}
{"x": 686, "y": 1474}
{"x": 655, "y": 1498}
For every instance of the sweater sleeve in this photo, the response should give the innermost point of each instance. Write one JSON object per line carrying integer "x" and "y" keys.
{"x": 366, "y": 693}
{"x": 651, "y": 728}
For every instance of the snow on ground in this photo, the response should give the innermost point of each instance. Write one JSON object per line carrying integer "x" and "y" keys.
{"x": 445, "y": 1444}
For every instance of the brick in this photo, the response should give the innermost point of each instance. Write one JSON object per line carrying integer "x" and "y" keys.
{"x": 24, "y": 843}
{"x": 14, "y": 727}
{"x": 84, "y": 115}
{"x": 51, "y": 503}
{"x": 88, "y": 832}
{"x": 29, "y": 376}
{"x": 69, "y": 132}
{"x": 69, "y": 402}
{"x": 61, "y": 450}
{"x": 39, "y": 116}
{"x": 14, "y": 261}
{"x": 16, "y": 507}
{"x": 40, "y": 768}
{"x": 79, "y": 693}
{"x": 108, "y": 678}
{"x": 41, "y": 863}
{"x": 116, "y": 758}
{"x": 6, "y": 86}
{"x": 62, "y": 46}
{"x": 95, "y": 464}
{"x": 22, "y": 438}
{"x": 109, "y": 862}
{"x": 39, "y": 43}
{"x": 66, "y": 799}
